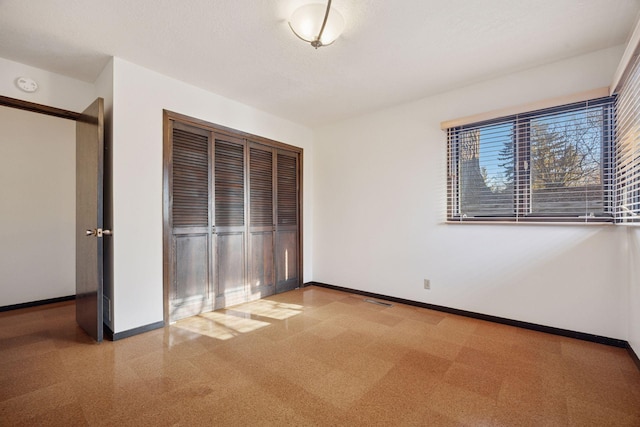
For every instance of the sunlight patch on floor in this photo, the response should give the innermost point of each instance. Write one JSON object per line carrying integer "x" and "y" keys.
{"x": 226, "y": 324}
{"x": 270, "y": 309}
{"x": 222, "y": 326}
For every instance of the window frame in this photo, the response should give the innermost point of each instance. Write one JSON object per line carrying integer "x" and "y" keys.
{"x": 522, "y": 194}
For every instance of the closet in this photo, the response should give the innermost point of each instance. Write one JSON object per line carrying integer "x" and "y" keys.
{"x": 231, "y": 217}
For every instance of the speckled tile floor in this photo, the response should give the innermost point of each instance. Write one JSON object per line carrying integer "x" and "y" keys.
{"x": 310, "y": 357}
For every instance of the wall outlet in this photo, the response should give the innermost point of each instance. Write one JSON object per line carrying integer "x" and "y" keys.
{"x": 427, "y": 284}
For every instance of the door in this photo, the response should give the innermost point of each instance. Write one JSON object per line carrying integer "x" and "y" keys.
{"x": 89, "y": 218}
{"x": 261, "y": 221}
{"x": 229, "y": 228}
{"x": 190, "y": 218}
{"x": 287, "y": 221}
{"x": 231, "y": 217}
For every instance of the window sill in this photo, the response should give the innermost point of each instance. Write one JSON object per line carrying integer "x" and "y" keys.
{"x": 536, "y": 223}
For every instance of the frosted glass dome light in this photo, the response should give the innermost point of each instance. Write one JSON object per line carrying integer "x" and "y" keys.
{"x": 317, "y": 24}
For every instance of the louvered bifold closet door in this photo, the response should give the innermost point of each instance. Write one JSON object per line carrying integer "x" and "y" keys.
{"x": 190, "y": 221}
{"x": 287, "y": 218}
{"x": 261, "y": 224}
{"x": 229, "y": 226}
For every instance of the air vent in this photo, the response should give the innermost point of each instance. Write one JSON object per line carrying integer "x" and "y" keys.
{"x": 372, "y": 301}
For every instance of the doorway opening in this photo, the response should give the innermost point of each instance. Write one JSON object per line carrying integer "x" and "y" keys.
{"x": 52, "y": 206}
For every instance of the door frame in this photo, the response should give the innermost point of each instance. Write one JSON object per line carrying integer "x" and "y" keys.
{"x": 68, "y": 115}
{"x": 167, "y": 117}
{"x": 38, "y": 108}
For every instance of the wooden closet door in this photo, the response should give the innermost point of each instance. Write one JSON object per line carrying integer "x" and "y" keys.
{"x": 229, "y": 229}
{"x": 261, "y": 221}
{"x": 190, "y": 222}
{"x": 287, "y": 219}
{"x": 231, "y": 217}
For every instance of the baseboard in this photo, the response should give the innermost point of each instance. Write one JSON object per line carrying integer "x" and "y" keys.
{"x": 131, "y": 332}
{"x": 525, "y": 325}
{"x": 37, "y": 303}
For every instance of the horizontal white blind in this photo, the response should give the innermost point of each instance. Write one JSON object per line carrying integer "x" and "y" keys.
{"x": 482, "y": 170}
{"x": 548, "y": 165}
{"x": 627, "y": 147}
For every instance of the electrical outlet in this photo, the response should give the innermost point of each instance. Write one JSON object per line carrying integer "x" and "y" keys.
{"x": 427, "y": 284}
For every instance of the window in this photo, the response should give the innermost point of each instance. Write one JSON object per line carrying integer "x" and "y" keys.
{"x": 627, "y": 147}
{"x": 548, "y": 165}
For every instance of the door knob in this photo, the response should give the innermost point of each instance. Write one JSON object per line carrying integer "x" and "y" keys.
{"x": 98, "y": 232}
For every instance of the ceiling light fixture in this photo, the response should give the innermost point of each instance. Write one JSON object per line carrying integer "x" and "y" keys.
{"x": 312, "y": 24}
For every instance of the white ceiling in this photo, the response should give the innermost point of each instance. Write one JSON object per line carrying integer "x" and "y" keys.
{"x": 391, "y": 51}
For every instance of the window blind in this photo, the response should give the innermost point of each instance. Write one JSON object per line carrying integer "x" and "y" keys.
{"x": 547, "y": 165}
{"x": 627, "y": 147}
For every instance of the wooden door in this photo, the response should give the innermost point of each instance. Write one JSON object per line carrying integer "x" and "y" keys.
{"x": 229, "y": 231}
{"x": 89, "y": 219}
{"x": 231, "y": 217}
{"x": 287, "y": 220}
{"x": 190, "y": 218}
{"x": 261, "y": 221}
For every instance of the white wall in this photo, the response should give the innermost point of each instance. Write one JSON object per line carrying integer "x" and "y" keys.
{"x": 140, "y": 95}
{"x": 380, "y": 206}
{"x": 37, "y": 207}
{"x": 54, "y": 90}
